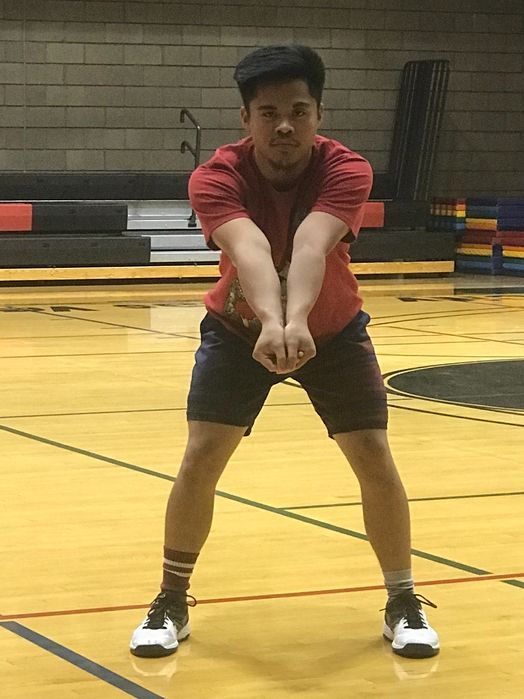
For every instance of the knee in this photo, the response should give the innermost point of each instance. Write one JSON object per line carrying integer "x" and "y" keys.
{"x": 202, "y": 463}
{"x": 380, "y": 478}
{"x": 370, "y": 457}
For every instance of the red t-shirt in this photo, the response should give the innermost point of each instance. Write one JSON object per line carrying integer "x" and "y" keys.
{"x": 337, "y": 181}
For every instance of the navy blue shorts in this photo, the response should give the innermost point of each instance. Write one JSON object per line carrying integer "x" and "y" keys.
{"x": 343, "y": 381}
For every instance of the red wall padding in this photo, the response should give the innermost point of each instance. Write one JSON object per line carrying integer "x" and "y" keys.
{"x": 373, "y": 215}
{"x": 15, "y": 217}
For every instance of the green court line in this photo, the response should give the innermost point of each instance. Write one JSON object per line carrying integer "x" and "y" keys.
{"x": 515, "y": 583}
{"x": 251, "y": 503}
{"x": 435, "y": 498}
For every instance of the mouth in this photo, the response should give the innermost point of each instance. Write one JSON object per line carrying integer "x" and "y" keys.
{"x": 284, "y": 144}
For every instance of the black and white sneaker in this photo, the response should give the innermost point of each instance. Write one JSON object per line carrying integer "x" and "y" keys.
{"x": 407, "y": 627}
{"x": 166, "y": 624}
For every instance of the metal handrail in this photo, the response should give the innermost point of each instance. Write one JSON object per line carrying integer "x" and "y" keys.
{"x": 195, "y": 152}
{"x": 185, "y": 144}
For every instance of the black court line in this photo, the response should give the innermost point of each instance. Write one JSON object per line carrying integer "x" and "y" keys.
{"x": 444, "y": 356}
{"x": 429, "y": 341}
{"x": 80, "y": 661}
{"x": 485, "y": 291}
{"x": 446, "y": 315}
{"x": 372, "y": 324}
{"x": 65, "y": 337}
{"x": 116, "y": 303}
{"x": 116, "y": 325}
{"x": 390, "y": 336}
{"x": 245, "y": 501}
{"x": 430, "y": 499}
{"x": 414, "y": 315}
{"x": 457, "y": 417}
{"x": 436, "y": 314}
{"x": 140, "y": 410}
{"x": 468, "y": 337}
{"x": 93, "y": 354}
{"x": 473, "y": 406}
{"x": 292, "y": 383}
{"x": 502, "y": 332}
{"x": 483, "y": 298}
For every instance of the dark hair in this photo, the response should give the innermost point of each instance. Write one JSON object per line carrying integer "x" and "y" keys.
{"x": 280, "y": 63}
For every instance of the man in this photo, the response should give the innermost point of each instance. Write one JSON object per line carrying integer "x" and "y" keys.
{"x": 282, "y": 206}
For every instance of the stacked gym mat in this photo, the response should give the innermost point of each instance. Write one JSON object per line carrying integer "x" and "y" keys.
{"x": 447, "y": 214}
{"x": 498, "y": 222}
{"x": 493, "y": 239}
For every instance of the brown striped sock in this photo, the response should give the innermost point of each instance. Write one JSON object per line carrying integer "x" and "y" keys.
{"x": 178, "y": 567}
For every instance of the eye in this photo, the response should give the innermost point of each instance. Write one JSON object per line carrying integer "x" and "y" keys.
{"x": 268, "y": 115}
{"x": 299, "y": 113}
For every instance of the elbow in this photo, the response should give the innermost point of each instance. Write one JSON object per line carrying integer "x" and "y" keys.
{"x": 243, "y": 254}
{"x": 312, "y": 253}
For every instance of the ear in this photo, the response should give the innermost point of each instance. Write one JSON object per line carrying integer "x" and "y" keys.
{"x": 320, "y": 112}
{"x": 244, "y": 118}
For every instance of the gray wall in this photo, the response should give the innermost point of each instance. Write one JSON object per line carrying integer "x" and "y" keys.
{"x": 88, "y": 85}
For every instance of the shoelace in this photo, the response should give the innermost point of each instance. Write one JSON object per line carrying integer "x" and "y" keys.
{"x": 409, "y": 606}
{"x": 164, "y": 606}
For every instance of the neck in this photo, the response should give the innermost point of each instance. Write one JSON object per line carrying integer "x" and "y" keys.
{"x": 281, "y": 177}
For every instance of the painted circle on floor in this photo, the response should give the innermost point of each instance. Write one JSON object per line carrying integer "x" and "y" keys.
{"x": 497, "y": 384}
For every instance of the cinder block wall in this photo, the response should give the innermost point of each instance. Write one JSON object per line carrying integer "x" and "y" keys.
{"x": 94, "y": 85}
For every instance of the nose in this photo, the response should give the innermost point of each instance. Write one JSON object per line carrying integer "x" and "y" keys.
{"x": 284, "y": 128}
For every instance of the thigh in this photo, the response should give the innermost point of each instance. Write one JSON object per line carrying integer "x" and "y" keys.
{"x": 344, "y": 382}
{"x": 227, "y": 385}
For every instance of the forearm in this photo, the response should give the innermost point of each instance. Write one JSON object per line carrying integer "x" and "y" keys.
{"x": 314, "y": 239}
{"x": 260, "y": 282}
{"x": 304, "y": 281}
{"x": 250, "y": 252}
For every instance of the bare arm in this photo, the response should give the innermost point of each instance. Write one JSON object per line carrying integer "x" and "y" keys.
{"x": 316, "y": 236}
{"x": 250, "y": 252}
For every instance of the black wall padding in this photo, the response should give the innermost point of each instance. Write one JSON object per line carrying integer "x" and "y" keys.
{"x": 383, "y": 187}
{"x": 60, "y": 251}
{"x": 56, "y": 217}
{"x": 382, "y": 245}
{"x": 62, "y": 186}
{"x": 405, "y": 214}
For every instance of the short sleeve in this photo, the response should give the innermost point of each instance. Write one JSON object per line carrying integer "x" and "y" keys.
{"x": 345, "y": 188}
{"x": 216, "y": 196}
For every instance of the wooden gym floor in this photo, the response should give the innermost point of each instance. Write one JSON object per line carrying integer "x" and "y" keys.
{"x": 92, "y": 428}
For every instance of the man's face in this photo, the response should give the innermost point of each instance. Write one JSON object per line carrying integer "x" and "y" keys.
{"x": 282, "y": 120}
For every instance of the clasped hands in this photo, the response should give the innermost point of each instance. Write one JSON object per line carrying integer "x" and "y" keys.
{"x": 283, "y": 349}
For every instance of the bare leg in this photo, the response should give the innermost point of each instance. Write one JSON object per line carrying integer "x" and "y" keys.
{"x": 385, "y": 505}
{"x": 190, "y": 506}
